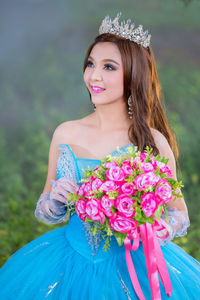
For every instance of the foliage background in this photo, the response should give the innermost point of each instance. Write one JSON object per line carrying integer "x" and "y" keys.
{"x": 43, "y": 44}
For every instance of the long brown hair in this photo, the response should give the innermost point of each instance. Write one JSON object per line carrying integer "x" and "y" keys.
{"x": 141, "y": 81}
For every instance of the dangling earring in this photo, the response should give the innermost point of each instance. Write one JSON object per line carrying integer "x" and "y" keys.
{"x": 130, "y": 107}
{"x": 94, "y": 106}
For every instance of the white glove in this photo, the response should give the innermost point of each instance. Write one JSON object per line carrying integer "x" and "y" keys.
{"x": 176, "y": 225}
{"x": 51, "y": 207}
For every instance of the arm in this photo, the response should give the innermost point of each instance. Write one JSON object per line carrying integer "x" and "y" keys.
{"x": 51, "y": 206}
{"x": 177, "y": 210}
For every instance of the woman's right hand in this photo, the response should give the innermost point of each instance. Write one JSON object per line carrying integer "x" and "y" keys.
{"x": 61, "y": 189}
{"x": 51, "y": 208}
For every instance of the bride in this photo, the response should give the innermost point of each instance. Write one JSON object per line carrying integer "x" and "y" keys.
{"x": 69, "y": 262}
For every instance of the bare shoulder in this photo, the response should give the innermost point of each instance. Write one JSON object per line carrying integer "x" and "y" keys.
{"x": 162, "y": 144}
{"x": 66, "y": 131}
{"x": 160, "y": 140}
{"x": 164, "y": 148}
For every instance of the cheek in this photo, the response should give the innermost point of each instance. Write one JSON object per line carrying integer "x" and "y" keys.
{"x": 117, "y": 83}
{"x": 86, "y": 76}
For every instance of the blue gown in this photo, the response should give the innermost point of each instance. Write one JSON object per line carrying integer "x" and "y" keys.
{"x": 68, "y": 263}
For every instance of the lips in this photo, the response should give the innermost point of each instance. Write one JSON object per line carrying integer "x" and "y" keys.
{"x": 96, "y": 89}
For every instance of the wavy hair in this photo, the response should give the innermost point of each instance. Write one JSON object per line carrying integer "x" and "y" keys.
{"x": 142, "y": 83}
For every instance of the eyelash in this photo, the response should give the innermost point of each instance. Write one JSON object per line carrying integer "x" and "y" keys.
{"x": 106, "y": 65}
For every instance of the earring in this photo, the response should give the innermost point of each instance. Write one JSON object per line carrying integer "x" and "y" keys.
{"x": 94, "y": 106}
{"x": 130, "y": 107}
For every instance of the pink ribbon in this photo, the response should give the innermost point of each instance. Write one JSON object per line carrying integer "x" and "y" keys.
{"x": 154, "y": 259}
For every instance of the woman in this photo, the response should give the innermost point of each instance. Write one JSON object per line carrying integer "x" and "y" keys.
{"x": 69, "y": 262}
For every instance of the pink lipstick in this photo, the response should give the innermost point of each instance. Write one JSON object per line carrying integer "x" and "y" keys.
{"x": 96, "y": 89}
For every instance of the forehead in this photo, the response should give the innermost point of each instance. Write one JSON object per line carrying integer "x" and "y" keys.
{"x": 105, "y": 50}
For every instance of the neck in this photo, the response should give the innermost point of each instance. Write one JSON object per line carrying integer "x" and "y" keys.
{"x": 112, "y": 116}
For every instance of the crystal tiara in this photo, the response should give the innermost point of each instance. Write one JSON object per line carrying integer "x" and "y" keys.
{"x": 136, "y": 35}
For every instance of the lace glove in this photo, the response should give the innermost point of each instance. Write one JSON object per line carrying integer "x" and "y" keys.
{"x": 176, "y": 225}
{"x": 51, "y": 207}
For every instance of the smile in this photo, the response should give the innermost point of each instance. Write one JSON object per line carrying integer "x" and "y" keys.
{"x": 96, "y": 89}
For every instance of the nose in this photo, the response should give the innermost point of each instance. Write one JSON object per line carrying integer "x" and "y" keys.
{"x": 96, "y": 74}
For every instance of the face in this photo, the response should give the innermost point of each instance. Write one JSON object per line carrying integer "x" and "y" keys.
{"x": 103, "y": 75}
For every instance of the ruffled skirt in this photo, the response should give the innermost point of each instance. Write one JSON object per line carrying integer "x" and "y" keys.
{"x": 60, "y": 267}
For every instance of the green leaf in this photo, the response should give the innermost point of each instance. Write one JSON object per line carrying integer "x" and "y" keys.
{"x": 166, "y": 212}
{"x": 120, "y": 237}
{"x": 107, "y": 243}
{"x": 157, "y": 171}
{"x": 112, "y": 194}
{"x": 88, "y": 220}
{"x": 113, "y": 209}
{"x": 158, "y": 212}
{"x": 141, "y": 218}
{"x": 150, "y": 220}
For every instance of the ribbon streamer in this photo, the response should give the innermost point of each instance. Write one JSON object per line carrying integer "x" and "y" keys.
{"x": 155, "y": 261}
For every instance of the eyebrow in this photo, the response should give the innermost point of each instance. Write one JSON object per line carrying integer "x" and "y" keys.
{"x": 108, "y": 59}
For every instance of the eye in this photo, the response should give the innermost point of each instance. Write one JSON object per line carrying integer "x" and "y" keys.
{"x": 89, "y": 63}
{"x": 109, "y": 67}
{"x": 106, "y": 66}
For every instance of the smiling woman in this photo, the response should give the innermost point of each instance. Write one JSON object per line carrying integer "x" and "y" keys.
{"x": 69, "y": 262}
{"x": 132, "y": 83}
{"x": 103, "y": 78}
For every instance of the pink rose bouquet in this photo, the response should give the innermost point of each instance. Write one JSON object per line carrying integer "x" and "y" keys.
{"x": 126, "y": 196}
{"x": 124, "y": 192}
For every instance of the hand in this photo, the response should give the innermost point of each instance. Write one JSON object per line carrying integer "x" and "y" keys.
{"x": 177, "y": 225}
{"x": 61, "y": 189}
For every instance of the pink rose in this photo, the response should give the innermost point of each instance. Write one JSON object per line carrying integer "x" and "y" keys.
{"x": 126, "y": 167}
{"x": 122, "y": 224}
{"x": 94, "y": 211}
{"x": 143, "y": 156}
{"x": 109, "y": 185}
{"x": 80, "y": 206}
{"x": 167, "y": 171}
{"x": 85, "y": 188}
{"x": 106, "y": 204}
{"x": 96, "y": 184}
{"x": 163, "y": 191}
{"x": 147, "y": 167}
{"x": 124, "y": 204}
{"x": 128, "y": 188}
{"x": 115, "y": 174}
{"x": 81, "y": 190}
{"x": 142, "y": 181}
{"x": 149, "y": 204}
{"x": 163, "y": 168}
{"x": 158, "y": 164}
{"x": 110, "y": 164}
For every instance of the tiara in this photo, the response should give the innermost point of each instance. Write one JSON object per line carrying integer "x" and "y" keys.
{"x": 136, "y": 35}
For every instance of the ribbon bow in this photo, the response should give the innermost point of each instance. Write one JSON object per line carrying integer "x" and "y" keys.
{"x": 155, "y": 261}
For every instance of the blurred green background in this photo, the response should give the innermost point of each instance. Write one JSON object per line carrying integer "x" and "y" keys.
{"x": 43, "y": 44}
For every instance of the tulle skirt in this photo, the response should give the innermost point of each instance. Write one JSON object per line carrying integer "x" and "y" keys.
{"x": 59, "y": 266}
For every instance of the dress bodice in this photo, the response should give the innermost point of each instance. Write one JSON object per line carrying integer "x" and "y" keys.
{"x": 70, "y": 166}
{"x": 78, "y": 232}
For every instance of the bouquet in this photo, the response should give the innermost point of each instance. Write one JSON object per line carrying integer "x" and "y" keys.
{"x": 126, "y": 196}
{"x": 124, "y": 192}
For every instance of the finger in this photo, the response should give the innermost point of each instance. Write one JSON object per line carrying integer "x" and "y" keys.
{"x": 58, "y": 197}
{"x": 69, "y": 183}
{"x": 66, "y": 186}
